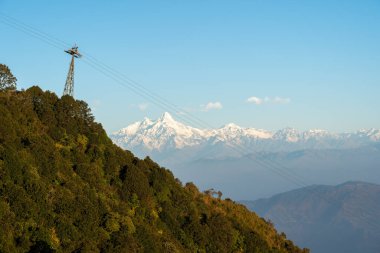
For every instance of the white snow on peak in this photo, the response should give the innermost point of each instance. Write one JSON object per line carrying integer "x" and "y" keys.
{"x": 232, "y": 126}
{"x": 259, "y": 133}
{"x": 287, "y": 134}
{"x": 232, "y": 130}
{"x": 372, "y": 133}
{"x": 317, "y": 134}
{"x": 147, "y": 121}
{"x": 166, "y": 117}
{"x": 159, "y": 134}
{"x": 166, "y": 133}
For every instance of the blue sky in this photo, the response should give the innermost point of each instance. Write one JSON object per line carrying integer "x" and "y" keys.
{"x": 303, "y": 64}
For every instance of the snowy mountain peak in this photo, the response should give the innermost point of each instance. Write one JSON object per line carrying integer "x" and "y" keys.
{"x": 167, "y": 134}
{"x": 147, "y": 121}
{"x": 316, "y": 134}
{"x": 166, "y": 117}
{"x": 231, "y": 126}
{"x": 288, "y": 134}
{"x": 372, "y": 133}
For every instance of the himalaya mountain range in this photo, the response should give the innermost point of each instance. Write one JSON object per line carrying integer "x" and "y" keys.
{"x": 247, "y": 157}
{"x": 166, "y": 134}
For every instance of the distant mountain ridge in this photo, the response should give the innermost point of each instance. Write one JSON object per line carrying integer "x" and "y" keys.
{"x": 343, "y": 218}
{"x": 152, "y": 137}
{"x": 232, "y": 155}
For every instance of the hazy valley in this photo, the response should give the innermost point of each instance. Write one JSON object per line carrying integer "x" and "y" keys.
{"x": 248, "y": 163}
{"x": 345, "y": 217}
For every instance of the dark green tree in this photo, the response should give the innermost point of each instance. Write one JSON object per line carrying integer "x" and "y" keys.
{"x": 7, "y": 80}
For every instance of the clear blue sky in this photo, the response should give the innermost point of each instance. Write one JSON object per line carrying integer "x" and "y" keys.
{"x": 309, "y": 64}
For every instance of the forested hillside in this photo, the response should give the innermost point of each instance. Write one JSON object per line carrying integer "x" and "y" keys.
{"x": 65, "y": 187}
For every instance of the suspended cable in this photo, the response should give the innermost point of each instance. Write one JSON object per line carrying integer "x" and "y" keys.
{"x": 135, "y": 87}
{"x": 156, "y": 99}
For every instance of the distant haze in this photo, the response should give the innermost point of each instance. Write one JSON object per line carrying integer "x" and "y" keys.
{"x": 327, "y": 219}
{"x": 249, "y": 163}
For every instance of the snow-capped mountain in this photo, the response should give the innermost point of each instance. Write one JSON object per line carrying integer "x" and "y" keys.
{"x": 238, "y": 160}
{"x": 164, "y": 133}
{"x": 164, "y": 136}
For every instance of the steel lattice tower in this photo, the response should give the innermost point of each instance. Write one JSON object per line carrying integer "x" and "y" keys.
{"x": 69, "y": 86}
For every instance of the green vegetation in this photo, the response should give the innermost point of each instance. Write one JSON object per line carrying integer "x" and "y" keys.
{"x": 7, "y": 80}
{"x": 65, "y": 187}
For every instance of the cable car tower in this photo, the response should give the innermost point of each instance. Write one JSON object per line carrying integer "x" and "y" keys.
{"x": 69, "y": 86}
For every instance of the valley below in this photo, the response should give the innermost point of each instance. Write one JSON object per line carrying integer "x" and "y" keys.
{"x": 344, "y": 217}
{"x": 249, "y": 163}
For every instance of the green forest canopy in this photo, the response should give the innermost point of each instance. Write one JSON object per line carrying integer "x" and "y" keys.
{"x": 65, "y": 187}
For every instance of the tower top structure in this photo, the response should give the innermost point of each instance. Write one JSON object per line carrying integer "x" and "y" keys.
{"x": 74, "y": 51}
{"x": 69, "y": 85}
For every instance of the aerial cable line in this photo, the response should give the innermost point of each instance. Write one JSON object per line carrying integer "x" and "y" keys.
{"x": 176, "y": 109}
{"x": 190, "y": 118}
{"x": 143, "y": 93}
{"x": 184, "y": 116}
{"x": 93, "y": 62}
{"x": 31, "y": 33}
{"x": 161, "y": 103}
{"x": 238, "y": 149}
{"x": 122, "y": 84}
{"x": 57, "y": 43}
{"x": 46, "y": 38}
{"x": 62, "y": 43}
{"x": 279, "y": 170}
{"x": 296, "y": 180}
{"x": 299, "y": 181}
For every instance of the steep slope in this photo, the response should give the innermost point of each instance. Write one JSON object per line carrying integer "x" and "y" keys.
{"x": 65, "y": 187}
{"x": 343, "y": 218}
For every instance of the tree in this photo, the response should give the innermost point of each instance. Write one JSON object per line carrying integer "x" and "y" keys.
{"x": 7, "y": 80}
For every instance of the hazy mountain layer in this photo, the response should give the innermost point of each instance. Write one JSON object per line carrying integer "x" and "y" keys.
{"x": 265, "y": 174}
{"x": 327, "y": 219}
{"x": 260, "y": 163}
